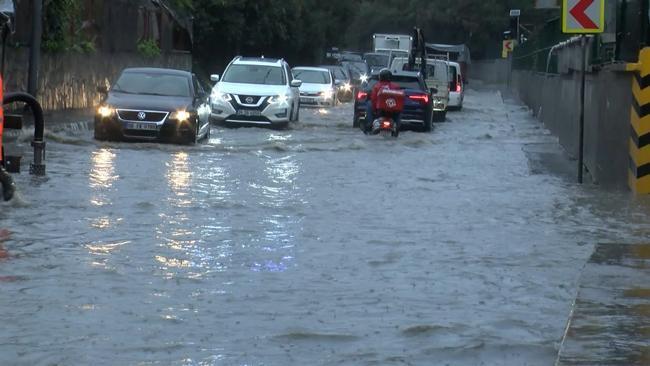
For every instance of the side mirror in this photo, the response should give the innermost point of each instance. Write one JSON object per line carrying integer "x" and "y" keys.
{"x": 296, "y": 83}
{"x": 214, "y": 77}
{"x": 102, "y": 89}
{"x": 433, "y": 91}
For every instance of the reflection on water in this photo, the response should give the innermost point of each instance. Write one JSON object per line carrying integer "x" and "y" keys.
{"x": 105, "y": 248}
{"x": 103, "y": 170}
{"x": 179, "y": 175}
{"x": 102, "y": 176}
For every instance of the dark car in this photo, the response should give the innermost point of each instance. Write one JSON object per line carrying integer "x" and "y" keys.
{"x": 377, "y": 61}
{"x": 417, "y": 106}
{"x": 154, "y": 104}
{"x": 343, "y": 82}
{"x": 359, "y": 71}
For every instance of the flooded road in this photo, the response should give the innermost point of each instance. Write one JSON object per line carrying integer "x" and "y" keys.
{"x": 312, "y": 246}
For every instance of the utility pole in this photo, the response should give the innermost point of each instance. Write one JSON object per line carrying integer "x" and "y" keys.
{"x": 35, "y": 47}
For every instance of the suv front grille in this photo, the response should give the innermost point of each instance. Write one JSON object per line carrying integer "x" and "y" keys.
{"x": 149, "y": 116}
{"x": 249, "y": 99}
{"x": 239, "y": 106}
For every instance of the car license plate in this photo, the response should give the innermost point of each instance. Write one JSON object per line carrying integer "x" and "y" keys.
{"x": 307, "y": 101}
{"x": 249, "y": 113}
{"x": 141, "y": 126}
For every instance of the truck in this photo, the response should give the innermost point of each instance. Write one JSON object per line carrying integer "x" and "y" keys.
{"x": 390, "y": 43}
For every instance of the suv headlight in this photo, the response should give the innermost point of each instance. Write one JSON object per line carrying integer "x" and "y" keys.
{"x": 279, "y": 99}
{"x": 218, "y": 96}
{"x": 327, "y": 94}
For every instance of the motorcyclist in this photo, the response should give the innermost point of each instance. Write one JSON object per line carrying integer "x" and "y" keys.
{"x": 385, "y": 77}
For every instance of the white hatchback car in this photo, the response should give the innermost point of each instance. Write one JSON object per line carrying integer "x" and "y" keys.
{"x": 318, "y": 87}
{"x": 255, "y": 91}
{"x": 456, "y": 87}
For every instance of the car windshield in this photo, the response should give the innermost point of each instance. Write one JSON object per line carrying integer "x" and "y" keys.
{"x": 377, "y": 60}
{"x": 357, "y": 68}
{"x": 312, "y": 76}
{"x": 339, "y": 73}
{"x": 153, "y": 84}
{"x": 404, "y": 82}
{"x": 255, "y": 74}
{"x": 431, "y": 70}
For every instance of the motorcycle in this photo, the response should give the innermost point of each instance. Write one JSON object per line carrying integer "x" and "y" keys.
{"x": 385, "y": 126}
{"x": 390, "y": 103}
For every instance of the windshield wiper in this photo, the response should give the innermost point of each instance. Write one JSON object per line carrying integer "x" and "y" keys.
{"x": 160, "y": 95}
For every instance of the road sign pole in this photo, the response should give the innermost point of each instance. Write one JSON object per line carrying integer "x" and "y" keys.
{"x": 581, "y": 144}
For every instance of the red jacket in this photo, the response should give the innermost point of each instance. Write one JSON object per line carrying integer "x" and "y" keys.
{"x": 379, "y": 86}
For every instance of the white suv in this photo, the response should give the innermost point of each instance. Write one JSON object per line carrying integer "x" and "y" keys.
{"x": 255, "y": 91}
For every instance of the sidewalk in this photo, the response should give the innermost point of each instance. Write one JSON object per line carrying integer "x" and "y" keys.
{"x": 610, "y": 324}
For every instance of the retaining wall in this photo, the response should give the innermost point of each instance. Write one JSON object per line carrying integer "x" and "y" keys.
{"x": 555, "y": 100}
{"x": 70, "y": 80}
{"x": 490, "y": 71}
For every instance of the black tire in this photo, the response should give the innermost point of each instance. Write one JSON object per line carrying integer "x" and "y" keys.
{"x": 104, "y": 134}
{"x": 297, "y": 114}
{"x": 191, "y": 137}
{"x": 208, "y": 134}
{"x": 355, "y": 122}
{"x": 439, "y": 116}
{"x": 99, "y": 136}
{"x": 428, "y": 124}
{"x": 443, "y": 116}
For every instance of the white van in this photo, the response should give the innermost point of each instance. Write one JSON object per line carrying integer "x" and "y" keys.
{"x": 456, "y": 87}
{"x": 438, "y": 77}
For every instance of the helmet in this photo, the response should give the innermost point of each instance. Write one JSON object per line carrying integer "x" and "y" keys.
{"x": 385, "y": 75}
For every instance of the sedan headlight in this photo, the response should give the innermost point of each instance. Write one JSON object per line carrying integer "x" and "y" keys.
{"x": 347, "y": 87}
{"x": 364, "y": 78}
{"x": 181, "y": 116}
{"x": 218, "y": 96}
{"x": 279, "y": 99}
{"x": 105, "y": 111}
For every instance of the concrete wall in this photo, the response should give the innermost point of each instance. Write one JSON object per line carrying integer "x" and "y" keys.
{"x": 555, "y": 100}
{"x": 70, "y": 80}
{"x": 490, "y": 71}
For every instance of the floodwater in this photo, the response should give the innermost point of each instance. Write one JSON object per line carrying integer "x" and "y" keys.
{"x": 312, "y": 246}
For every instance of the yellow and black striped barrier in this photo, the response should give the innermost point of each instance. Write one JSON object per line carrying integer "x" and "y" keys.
{"x": 639, "y": 172}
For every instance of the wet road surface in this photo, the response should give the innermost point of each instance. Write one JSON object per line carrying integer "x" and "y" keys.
{"x": 312, "y": 246}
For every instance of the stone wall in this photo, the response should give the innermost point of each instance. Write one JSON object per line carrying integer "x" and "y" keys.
{"x": 70, "y": 80}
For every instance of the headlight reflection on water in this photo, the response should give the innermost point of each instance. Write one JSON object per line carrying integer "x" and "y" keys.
{"x": 102, "y": 176}
{"x": 179, "y": 178}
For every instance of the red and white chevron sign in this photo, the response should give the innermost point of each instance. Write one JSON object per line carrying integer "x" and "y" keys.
{"x": 583, "y": 16}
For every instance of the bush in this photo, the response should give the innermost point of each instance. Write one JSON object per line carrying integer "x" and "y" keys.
{"x": 148, "y": 48}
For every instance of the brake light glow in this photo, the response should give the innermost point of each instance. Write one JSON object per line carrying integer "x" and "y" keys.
{"x": 361, "y": 95}
{"x": 459, "y": 86}
{"x": 385, "y": 124}
{"x": 422, "y": 98}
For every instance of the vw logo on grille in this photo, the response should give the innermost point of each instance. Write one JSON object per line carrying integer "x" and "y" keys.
{"x": 249, "y": 100}
{"x": 142, "y": 116}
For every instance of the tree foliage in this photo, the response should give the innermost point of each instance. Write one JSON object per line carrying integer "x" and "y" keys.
{"x": 300, "y": 30}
